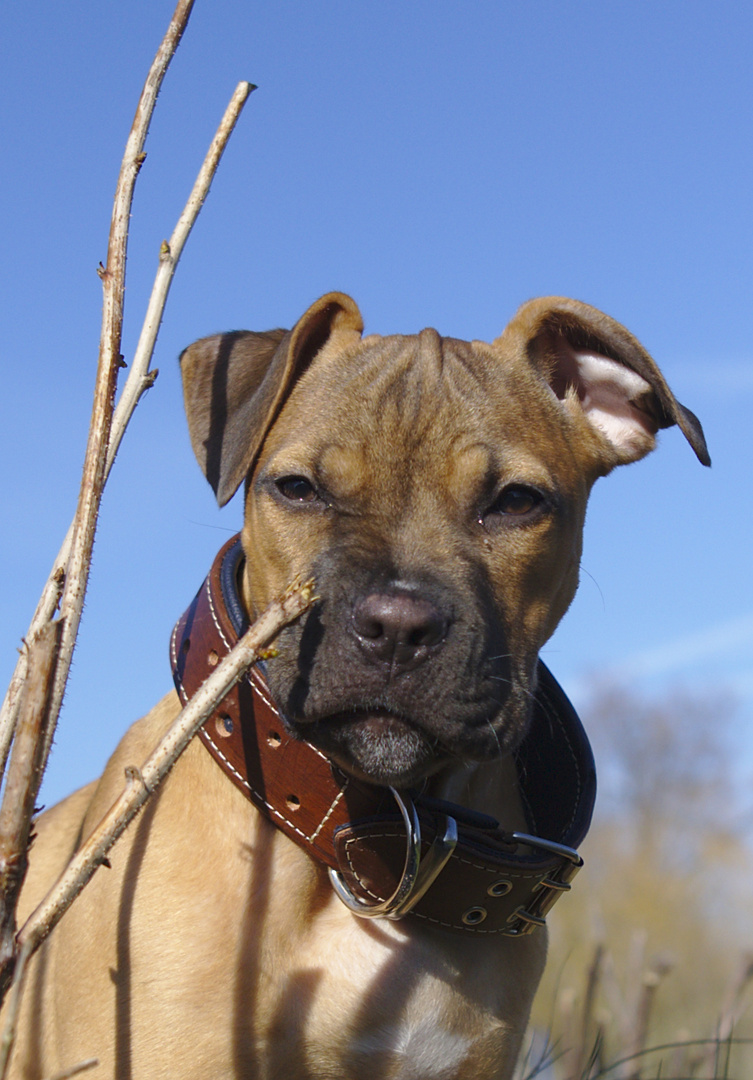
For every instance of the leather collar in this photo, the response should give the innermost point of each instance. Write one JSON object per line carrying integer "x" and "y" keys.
{"x": 483, "y": 880}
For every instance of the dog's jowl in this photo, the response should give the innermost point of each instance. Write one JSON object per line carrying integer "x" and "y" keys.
{"x": 347, "y": 875}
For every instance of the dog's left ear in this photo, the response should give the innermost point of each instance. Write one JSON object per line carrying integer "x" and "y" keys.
{"x": 234, "y": 385}
{"x": 592, "y": 360}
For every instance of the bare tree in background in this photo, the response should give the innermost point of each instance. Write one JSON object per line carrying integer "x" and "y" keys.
{"x": 658, "y": 950}
{"x": 667, "y": 769}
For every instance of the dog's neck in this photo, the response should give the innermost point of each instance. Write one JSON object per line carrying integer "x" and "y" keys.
{"x": 547, "y": 786}
{"x": 488, "y": 787}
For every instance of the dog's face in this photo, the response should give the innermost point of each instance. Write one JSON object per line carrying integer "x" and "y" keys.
{"x": 443, "y": 532}
{"x": 436, "y": 490}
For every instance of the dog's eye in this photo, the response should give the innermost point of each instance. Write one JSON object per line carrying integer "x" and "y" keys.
{"x": 516, "y": 501}
{"x": 296, "y": 488}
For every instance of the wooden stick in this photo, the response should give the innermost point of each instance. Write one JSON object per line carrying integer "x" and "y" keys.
{"x": 140, "y": 783}
{"x": 72, "y": 572}
{"x": 22, "y": 787}
{"x": 139, "y": 379}
{"x": 14, "y": 1004}
{"x": 110, "y": 362}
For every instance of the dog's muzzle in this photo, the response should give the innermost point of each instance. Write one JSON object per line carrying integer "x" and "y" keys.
{"x": 392, "y": 853}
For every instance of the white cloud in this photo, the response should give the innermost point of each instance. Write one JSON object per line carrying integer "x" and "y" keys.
{"x": 686, "y": 650}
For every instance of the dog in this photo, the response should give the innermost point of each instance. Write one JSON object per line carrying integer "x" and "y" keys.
{"x": 436, "y": 491}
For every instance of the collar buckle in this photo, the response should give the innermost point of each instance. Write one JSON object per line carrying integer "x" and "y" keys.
{"x": 526, "y": 918}
{"x": 419, "y": 872}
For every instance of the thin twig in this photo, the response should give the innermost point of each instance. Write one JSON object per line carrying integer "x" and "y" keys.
{"x": 46, "y": 608}
{"x": 72, "y": 571}
{"x": 83, "y": 1066}
{"x": 110, "y": 362}
{"x": 139, "y": 380}
{"x": 732, "y": 1007}
{"x": 14, "y": 1004}
{"x": 36, "y": 690}
{"x": 140, "y": 783}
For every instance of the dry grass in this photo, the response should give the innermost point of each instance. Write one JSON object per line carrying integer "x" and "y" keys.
{"x": 605, "y": 1024}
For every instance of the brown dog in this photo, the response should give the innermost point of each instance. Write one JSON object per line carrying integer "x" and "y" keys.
{"x": 436, "y": 489}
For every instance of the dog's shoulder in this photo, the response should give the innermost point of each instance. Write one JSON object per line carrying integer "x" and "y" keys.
{"x": 56, "y": 835}
{"x": 59, "y": 831}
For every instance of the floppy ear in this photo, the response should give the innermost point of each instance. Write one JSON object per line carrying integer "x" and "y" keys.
{"x": 234, "y": 385}
{"x": 590, "y": 359}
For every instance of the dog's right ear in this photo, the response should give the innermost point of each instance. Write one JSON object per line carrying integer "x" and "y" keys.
{"x": 235, "y": 384}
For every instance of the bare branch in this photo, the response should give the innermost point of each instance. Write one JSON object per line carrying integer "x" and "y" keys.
{"x": 22, "y": 787}
{"x": 14, "y": 1004}
{"x": 46, "y": 608}
{"x": 35, "y": 693}
{"x": 110, "y": 361}
{"x": 139, "y": 379}
{"x": 140, "y": 783}
{"x": 75, "y": 565}
{"x": 83, "y": 1066}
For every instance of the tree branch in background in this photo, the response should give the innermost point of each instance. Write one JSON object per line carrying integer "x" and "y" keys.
{"x": 668, "y": 886}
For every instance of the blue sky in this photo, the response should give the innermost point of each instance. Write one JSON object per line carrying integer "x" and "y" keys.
{"x": 440, "y": 161}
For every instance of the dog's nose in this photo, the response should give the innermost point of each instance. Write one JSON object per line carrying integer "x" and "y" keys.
{"x": 397, "y": 628}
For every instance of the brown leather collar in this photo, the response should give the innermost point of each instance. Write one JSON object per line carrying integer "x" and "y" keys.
{"x": 473, "y": 876}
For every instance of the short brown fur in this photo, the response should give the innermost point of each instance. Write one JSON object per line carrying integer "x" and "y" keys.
{"x": 410, "y": 475}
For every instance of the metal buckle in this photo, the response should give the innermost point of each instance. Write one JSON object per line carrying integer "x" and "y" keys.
{"x": 524, "y": 920}
{"x": 419, "y": 873}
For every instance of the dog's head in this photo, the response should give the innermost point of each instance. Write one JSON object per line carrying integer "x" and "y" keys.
{"x": 436, "y": 490}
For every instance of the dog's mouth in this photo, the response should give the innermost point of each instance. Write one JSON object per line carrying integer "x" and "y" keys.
{"x": 378, "y": 746}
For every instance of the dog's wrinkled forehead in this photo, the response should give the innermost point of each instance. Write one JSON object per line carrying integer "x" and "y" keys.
{"x": 420, "y": 397}
{"x": 560, "y": 367}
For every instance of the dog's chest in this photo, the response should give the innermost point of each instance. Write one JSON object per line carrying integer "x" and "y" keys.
{"x": 395, "y": 1000}
{"x": 320, "y": 992}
